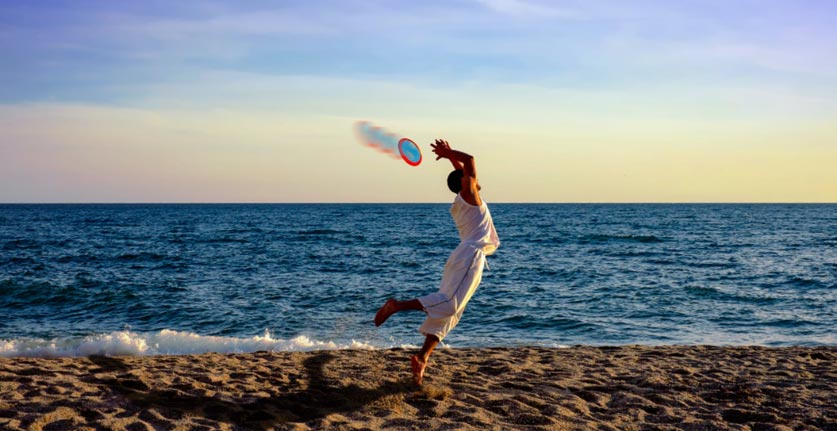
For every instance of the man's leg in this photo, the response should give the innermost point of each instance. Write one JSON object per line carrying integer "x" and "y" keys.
{"x": 392, "y": 306}
{"x": 419, "y": 361}
{"x": 430, "y": 343}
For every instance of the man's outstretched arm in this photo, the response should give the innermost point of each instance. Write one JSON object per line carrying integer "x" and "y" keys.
{"x": 459, "y": 160}
{"x": 464, "y": 162}
{"x": 443, "y": 146}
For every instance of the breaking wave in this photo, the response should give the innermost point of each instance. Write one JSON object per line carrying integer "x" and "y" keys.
{"x": 165, "y": 342}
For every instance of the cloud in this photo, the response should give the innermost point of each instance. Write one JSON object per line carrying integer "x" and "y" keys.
{"x": 337, "y": 56}
{"x": 530, "y": 9}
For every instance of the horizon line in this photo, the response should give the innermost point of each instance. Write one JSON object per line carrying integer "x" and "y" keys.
{"x": 433, "y": 202}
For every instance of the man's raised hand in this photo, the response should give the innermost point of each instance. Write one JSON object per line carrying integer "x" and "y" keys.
{"x": 441, "y": 148}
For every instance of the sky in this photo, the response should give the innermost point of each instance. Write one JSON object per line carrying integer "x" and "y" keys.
{"x": 558, "y": 101}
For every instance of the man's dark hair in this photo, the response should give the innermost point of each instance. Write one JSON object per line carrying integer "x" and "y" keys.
{"x": 455, "y": 180}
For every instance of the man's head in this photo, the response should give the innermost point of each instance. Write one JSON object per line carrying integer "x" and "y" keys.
{"x": 455, "y": 180}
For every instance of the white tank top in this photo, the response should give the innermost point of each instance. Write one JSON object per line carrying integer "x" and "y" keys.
{"x": 475, "y": 224}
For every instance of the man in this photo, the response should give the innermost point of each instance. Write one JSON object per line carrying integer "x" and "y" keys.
{"x": 463, "y": 270}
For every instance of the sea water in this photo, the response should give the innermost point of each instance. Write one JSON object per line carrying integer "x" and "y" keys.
{"x": 176, "y": 279}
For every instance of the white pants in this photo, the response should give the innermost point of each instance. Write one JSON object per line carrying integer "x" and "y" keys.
{"x": 462, "y": 276}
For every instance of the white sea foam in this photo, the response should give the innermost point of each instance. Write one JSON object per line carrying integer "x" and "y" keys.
{"x": 165, "y": 342}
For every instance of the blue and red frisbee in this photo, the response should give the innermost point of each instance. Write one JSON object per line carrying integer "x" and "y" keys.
{"x": 389, "y": 143}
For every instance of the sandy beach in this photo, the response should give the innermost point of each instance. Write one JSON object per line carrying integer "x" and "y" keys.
{"x": 595, "y": 388}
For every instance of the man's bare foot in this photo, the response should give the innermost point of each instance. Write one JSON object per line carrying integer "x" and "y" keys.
{"x": 386, "y": 310}
{"x": 418, "y": 369}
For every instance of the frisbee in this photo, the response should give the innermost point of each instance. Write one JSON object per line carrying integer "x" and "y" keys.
{"x": 410, "y": 152}
{"x": 387, "y": 142}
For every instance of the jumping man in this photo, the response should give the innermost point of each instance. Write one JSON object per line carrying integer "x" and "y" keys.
{"x": 463, "y": 270}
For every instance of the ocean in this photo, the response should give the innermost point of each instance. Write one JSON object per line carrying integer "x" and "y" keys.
{"x": 137, "y": 279}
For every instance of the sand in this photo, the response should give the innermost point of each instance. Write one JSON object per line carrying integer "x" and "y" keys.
{"x": 583, "y": 388}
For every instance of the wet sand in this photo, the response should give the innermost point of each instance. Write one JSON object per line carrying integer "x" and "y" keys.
{"x": 579, "y": 388}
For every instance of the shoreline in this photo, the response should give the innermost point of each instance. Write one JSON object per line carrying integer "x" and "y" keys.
{"x": 537, "y": 388}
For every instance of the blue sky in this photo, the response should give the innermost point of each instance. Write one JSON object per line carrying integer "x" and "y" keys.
{"x": 705, "y": 79}
{"x": 115, "y": 51}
